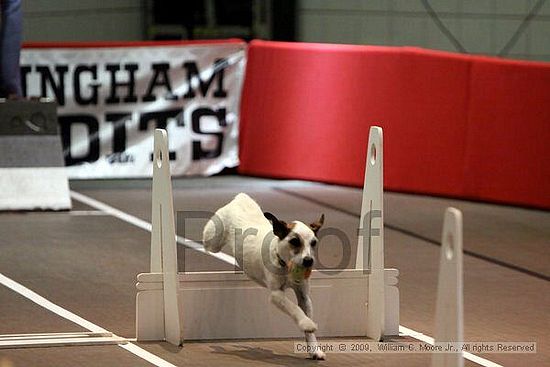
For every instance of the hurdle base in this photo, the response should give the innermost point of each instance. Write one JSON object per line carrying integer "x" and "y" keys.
{"x": 228, "y": 305}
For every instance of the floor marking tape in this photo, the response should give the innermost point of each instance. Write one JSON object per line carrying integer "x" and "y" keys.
{"x": 148, "y": 356}
{"x": 66, "y": 314}
{"x": 38, "y": 299}
{"x": 428, "y": 339}
{"x": 79, "y": 213}
{"x": 230, "y": 260}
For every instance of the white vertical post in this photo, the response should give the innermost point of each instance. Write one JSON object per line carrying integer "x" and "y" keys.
{"x": 449, "y": 310}
{"x": 391, "y": 299}
{"x": 371, "y": 239}
{"x": 163, "y": 238}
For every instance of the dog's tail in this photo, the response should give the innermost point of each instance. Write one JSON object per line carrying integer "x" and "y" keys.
{"x": 213, "y": 234}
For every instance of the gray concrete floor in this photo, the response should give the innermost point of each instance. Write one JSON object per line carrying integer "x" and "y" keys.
{"x": 88, "y": 263}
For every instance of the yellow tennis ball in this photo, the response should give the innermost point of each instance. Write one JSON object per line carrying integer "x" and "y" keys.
{"x": 298, "y": 272}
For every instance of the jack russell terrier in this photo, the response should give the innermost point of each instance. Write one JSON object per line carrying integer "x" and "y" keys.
{"x": 271, "y": 252}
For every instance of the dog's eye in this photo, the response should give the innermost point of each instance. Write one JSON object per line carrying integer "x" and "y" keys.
{"x": 295, "y": 242}
{"x": 313, "y": 243}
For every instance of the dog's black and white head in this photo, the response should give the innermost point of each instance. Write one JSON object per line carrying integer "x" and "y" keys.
{"x": 296, "y": 240}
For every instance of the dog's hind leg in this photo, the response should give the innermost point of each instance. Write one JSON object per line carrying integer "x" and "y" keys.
{"x": 304, "y": 301}
{"x": 279, "y": 299}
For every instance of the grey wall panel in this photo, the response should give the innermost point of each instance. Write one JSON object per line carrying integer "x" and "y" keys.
{"x": 83, "y": 20}
{"x": 31, "y": 151}
{"x": 480, "y": 26}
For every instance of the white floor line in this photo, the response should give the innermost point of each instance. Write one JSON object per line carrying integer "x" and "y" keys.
{"x": 146, "y": 225}
{"x": 148, "y": 356}
{"x": 38, "y": 299}
{"x": 79, "y": 213}
{"x": 428, "y": 339}
{"x": 66, "y": 314}
{"x": 230, "y": 260}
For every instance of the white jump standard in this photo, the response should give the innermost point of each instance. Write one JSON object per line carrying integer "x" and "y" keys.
{"x": 228, "y": 305}
{"x": 449, "y": 314}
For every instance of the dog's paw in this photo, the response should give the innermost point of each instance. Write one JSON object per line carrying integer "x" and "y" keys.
{"x": 318, "y": 355}
{"x": 307, "y": 324}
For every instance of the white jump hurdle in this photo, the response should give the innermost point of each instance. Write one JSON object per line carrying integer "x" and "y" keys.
{"x": 383, "y": 294}
{"x": 163, "y": 244}
{"x": 449, "y": 318}
{"x": 176, "y": 306}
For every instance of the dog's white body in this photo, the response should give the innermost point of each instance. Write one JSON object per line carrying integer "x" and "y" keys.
{"x": 242, "y": 226}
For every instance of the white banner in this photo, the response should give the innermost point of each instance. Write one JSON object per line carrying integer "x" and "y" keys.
{"x": 112, "y": 98}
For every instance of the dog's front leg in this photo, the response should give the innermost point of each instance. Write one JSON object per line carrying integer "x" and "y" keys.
{"x": 304, "y": 301}
{"x": 279, "y": 299}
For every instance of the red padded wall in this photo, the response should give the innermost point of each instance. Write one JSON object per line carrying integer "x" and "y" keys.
{"x": 307, "y": 108}
{"x": 304, "y": 110}
{"x": 509, "y": 132}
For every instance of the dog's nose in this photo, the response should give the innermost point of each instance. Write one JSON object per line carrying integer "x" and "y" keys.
{"x": 307, "y": 262}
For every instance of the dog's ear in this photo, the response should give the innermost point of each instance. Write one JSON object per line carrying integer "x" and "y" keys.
{"x": 280, "y": 228}
{"x": 315, "y": 226}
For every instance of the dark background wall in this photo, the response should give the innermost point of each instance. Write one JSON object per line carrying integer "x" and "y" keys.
{"x": 511, "y": 28}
